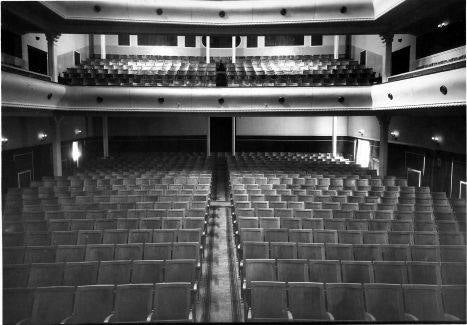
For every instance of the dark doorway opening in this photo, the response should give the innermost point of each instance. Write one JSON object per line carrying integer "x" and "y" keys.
{"x": 37, "y": 60}
{"x": 401, "y": 61}
{"x": 221, "y": 134}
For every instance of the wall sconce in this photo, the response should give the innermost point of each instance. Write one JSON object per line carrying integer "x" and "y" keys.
{"x": 161, "y": 100}
{"x": 361, "y": 132}
{"x": 340, "y": 99}
{"x": 4, "y": 140}
{"x": 42, "y": 136}
{"x": 283, "y": 11}
{"x": 222, "y": 13}
{"x": 159, "y": 11}
{"x": 436, "y": 139}
{"x": 78, "y": 131}
{"x": 443, "y": 24}
{"x": 221, "y": 101}
{"x": 281, "y": 100}
{"x": 395, "y": 134}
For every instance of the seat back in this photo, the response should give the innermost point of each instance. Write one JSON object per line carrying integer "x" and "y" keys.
{"x": 390, "y": 272}
{"x": 259, "y": 270}
{"x": 15, "y": 276}
{"x": 180, "y": 270}
{"x": 268, "y": 300}
{"x": 357, "y": 272}
{"x": 292, "y": 270}
{"x": 454, "y": 300}
{"x": 384, "y": 301}
{"x": 128, "y": 251}
{"x": 45, "y": 274}
{"x": 172, "y": 301}
{"x": 157, "y": 251}
{"x": 92, "y": 303}
{"x": 114, "y": 272}
{"x": 102, "y": 252}
{"x": 52, "y": 304}
{"x": 185, "y": 251}
{"x": 324, "y": 271}
{"x": 147, "y": 272}
{"x": 80, "y": 273}
{"x": 307, "y": 301}
{"x": 256, "y": 249}
{"x": 345, "y": 301}
{"x": 133, "y": 302}
{"x": 424, "y": 272}
{"x": 424, "y": 302}
{"x": 17, "y": 304}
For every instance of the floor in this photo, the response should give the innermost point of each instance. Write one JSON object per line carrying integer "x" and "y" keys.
{"x": 220, "y": 284}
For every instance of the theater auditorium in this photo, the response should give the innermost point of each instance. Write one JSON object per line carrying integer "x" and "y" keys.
{"x": 233, "y": 161}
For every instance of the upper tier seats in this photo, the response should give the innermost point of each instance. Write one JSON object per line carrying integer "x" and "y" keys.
{"x": 255, "y": 71}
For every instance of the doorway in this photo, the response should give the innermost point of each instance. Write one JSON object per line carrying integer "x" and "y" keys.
{"x": 37, "y": 60}
{"x": 401, "y": 61}
{"x": 221, "y": 134}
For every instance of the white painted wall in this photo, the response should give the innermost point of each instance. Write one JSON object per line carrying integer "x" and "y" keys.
{"x": 65, "y": 46}
{"x": 290, "y": 125}
{"x": 376, "y": 48}
{"x": 112, "y": 47}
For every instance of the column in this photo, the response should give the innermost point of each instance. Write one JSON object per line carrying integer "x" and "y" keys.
{"x": 57, "y": 146}
{"x": 103, "y": 53}
{"x": 383, "y": 121}
{"x": 52, "y": 56}
{"x": 348, "y": 47}
{"x": 91, "y": 45}
{"x": 208, "y": 138}
{"x": 234, "y": 47}
{"x": 334, "y": 136}
{"x": 234, "y": 134}
{"x": 208, "y": 49}
{"x": 387, "y": 63}
{"x": 336, "y": 46}
{"x": 105, "y": 135}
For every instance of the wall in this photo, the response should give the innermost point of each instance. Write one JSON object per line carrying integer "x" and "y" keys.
{"x": 112, "y": 47}
{"x": 158, "y": 126}
{"x": 376, "y": 49}
{"x": 65, "y": 46}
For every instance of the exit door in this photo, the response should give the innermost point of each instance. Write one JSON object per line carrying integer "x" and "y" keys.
{"x": 221, "y": 134}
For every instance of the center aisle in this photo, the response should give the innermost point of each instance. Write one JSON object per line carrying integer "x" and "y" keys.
{"x": 223, "y": 301}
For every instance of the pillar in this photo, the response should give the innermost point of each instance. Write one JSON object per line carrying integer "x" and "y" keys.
{"x": 57, "y": 146}
{"x": 52, "y": 56}
{"x": 208, "y": 138}
{"x": 103, "y": 53}
{"x": 91, "y": 45}
{"x": 105, "y": 135}
{"x": 387, "y": 64}
{"x": 234, "y": 47}
{"x": 234, "y": 134}
{"x": 383, "y": 121}
{"x": 208, "y": 49}
{"x": 336, "y": 46}
{"x": 348, "y": 47}
{"x": 334, "y": 136}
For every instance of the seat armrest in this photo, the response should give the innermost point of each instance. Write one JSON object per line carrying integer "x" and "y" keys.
{"x": 108, "y": 318}
{"x": 451, "y": 318}
{"x": 249, "y": 316}
{"x": 190, "y": 315}
{"x": 195, "y": 287}
{"x": 244, "y": 285}
{"x": 289, "y": 315}
{"x": 410, "y": 317}
{"x": 330, "y": 316}
{"x": 24, "y": 321}
{"x": 369, "y": 317}
{"x": 149, "y": 318}
{"x": 241, "y": 264}
{"x": 66, "y": 320}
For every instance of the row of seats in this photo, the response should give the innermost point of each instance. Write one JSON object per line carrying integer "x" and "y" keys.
{"x": 108, "y": 236}
{"x": 101, "y": 272}
{"x": 100, "y": 303}
{"x": 357, "y": 252}
{"x": 103, "y": 252}
{"x": 135, "y": 221}
{"x": 300, "y": 270}
{"x": 307, "y": 301}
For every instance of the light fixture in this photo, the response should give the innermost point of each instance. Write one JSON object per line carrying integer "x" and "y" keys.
{"x": 395, "y": 134}
{"x": 340, "y": 99}
{"x": 283, "y": 11}
{"x": 159, "y": 11}
{"x": 4, "y": 140}
{"x": 221, "y": 101}
{"x": 161, "y": 100}
{"x": 436, "y": 139}
{"x": 78, "y": 131}
{"x": 443, "y": 24}
{"x": 343, "y": 9}
{"x": 42, "y": 136}
{"x": 443, "y": 89}
{"x": 390, "y": 96}
{"x": 361, "y": 132}
{"x": 222, "y": 13}
{"x": 281, "y": 100}
{"x": 99, "y": 99}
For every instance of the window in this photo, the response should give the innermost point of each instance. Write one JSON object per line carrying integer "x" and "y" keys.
{"x": 190, "y": 41}
{"x": 363, "y": 152}
{"x": 222, "y": 42}
{"x": 77, "y": 57}
{"x": 157, "y": 40}
{"x": 124, "y": 39}
{"x": 316, "y": 40}
{"x": 284, "y": 40}
{"x": 252, "y": 41}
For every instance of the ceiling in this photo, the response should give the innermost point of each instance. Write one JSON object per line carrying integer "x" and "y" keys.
{"x": 243, "y": 17}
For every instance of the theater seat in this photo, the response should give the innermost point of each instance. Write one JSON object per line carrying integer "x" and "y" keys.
{"x": 92, "y": 304}
{"x": 17, "y": 304}
{"x": 80, "y": 273}
{"x": 151, "y": 271}
{"x": 345, "y": 302}
{"x": 385, "y": 302}
{"x": 268, "y": 302}
{"x": 173, "y": 302}
{"x": 307, "y": 301}
{"x": 454, "y": 300}
{"x": 133, "y": 303}
{"x": 52, "y": 304}
{"x": 292, "y": 270}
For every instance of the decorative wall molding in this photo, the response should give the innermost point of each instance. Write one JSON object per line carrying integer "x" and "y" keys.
{"x": 416, "y": 93}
